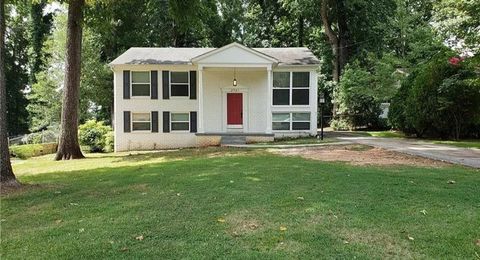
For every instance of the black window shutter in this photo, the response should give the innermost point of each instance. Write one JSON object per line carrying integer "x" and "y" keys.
{"x": 166, "y": 84}
{"x": 154, "y": 84}
{"x": 166, "y": 122}
{"x": 126, "y": 84}
{"x": 193, "y": 122}
{"x": 193, "y": 84}
{"x": 154, "y": 121}
{"x": 126, "y": 121}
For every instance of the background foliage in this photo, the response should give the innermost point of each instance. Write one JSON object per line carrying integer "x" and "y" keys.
{"x": 383, "y": 42}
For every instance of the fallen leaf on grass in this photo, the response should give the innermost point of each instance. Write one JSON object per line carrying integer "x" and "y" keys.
{"x": 283, "y": 228}
{"x": 451, "y": 182}
{"x": 424, "y": 212}
{"x": 221, "y": 220}
{"x": 411, "y": 238}
{"x": 253, "y": 226}
{"x": 300, "y": 198}
{"x": 345, "y": 242}
{"x": 58, "y": 221}
{"x": 478, "y": 242}
{"x": 139, "y": 238}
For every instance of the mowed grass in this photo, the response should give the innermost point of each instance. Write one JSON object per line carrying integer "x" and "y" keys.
{"x": 240, "y": 204}
{"x": 471, "y": 143}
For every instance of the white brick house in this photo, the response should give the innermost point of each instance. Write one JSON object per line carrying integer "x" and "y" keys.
{"x": 186, "y": 97}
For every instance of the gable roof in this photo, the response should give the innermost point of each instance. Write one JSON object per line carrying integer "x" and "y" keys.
{"x": 184, "y": 56}
{"x": 235, "y": 45}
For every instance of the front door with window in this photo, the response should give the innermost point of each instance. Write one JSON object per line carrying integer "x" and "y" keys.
{"x": 235, "y": 110}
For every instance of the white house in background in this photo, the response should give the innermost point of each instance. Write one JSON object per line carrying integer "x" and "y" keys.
{"x": 187, "y": 97}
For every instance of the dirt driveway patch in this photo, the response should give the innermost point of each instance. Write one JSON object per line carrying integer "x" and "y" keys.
{"x": 358, "y": 155}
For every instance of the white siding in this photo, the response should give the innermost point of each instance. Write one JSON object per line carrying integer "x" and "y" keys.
{"x": 216, "y": 83}
{"x": 149, "y": 141}
{"x": 251, "y": 83}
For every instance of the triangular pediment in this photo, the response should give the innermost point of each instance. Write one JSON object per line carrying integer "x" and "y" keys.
{"x": 234, "y": 53}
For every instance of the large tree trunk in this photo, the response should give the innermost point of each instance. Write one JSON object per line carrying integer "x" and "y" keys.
{"x": 338, "y": 40}
{"x": 343, "y": 36}
{"x": 7, "y": 178}
{"x": 68, "y": 147}
{"x": 334, "y": 42}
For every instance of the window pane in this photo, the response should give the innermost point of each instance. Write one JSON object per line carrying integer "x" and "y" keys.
{"x": 140, "y": 126}
{"x": 281, "y": 126}
{"x": 140, "y": 89}
{"x": 281, "y": 117}
{"x": 301, "y": 126}
{"x": 300, "y": 96}
{"x": 179, "y": 77}
{"x": 300, "y": 79}
{"x": 141, "y": 117}
{"x": 180, "y": 126}
{"x": 180, "y": 117}
{"x": 140, "y": 77}
{"x": 179, "y": 90}
{"x": 281, "y": 79}
{"x": 301, "y": 117}
{"x": 281, "y": 97}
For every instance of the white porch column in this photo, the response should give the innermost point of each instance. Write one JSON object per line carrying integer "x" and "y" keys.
{"x": 269, "y": 98}
{"x": 200, "y": 100}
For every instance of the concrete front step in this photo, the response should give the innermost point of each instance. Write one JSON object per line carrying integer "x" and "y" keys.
{"x": 232, "y": 139}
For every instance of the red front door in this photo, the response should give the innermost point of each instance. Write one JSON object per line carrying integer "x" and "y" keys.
{"x": 234, "y": 108}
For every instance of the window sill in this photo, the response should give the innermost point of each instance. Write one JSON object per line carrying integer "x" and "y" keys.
{"x": 140, "y": 97}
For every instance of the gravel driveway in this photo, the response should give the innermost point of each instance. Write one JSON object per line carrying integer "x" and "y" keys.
{"x": 464, "y": 156}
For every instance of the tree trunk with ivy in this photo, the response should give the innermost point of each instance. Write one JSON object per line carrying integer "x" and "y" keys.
{"x": 7, "y": 178}
{"x": 68, "y": 146}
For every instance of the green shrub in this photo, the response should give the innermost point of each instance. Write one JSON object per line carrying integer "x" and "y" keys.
{"x": 109, "y": 138}
{"x": 359, "y": 95}
{"x": 340, "y": 124}
{"x": 439, "y": 99}
{"x": 26, "y": 151}
{"x": 46, "y": 136}
{"x": 93, "y": 135}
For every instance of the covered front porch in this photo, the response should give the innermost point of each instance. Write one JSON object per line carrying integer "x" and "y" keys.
{"x": 234, "y": 99}
{"x": 234, "y": 91}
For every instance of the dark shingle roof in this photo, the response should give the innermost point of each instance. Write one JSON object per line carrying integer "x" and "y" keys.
{"x": 179, "y": 56}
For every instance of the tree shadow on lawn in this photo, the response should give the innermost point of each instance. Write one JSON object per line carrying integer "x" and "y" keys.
{"x": 176, "y": 206}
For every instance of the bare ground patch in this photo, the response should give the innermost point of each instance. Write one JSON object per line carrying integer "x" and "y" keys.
{"x": 359, "y": 155}
{"x": 393, "y": 247}
{"x": 242, "y": 223}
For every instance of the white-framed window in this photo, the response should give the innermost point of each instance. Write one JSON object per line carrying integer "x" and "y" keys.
{"x": 290, "y": 121}
{"x": 179, "y": 83}
{"x": 141, "y": 122}
{"x": 140, "y": 83}
{"x": 291, "y": 88}
{"x": 180, "y": 121}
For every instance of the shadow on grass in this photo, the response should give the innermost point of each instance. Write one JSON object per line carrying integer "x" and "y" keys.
{"x": 210, "y": 204}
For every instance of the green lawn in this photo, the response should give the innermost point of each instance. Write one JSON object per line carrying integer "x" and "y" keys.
{"x": 387, "y": 134}
{"x": 227, "y": 203}
{"x": 473, "y": 143}
{"x": 469, "y": 143}
{"x": 301, "y": 140}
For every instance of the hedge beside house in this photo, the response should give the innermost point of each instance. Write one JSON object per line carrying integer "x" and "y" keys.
{"x": 31, "y": 150}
